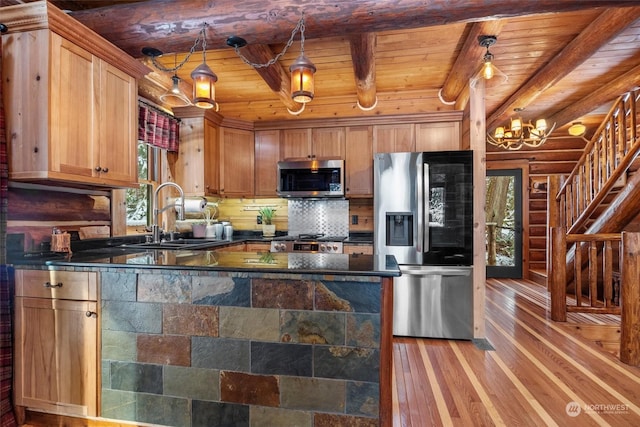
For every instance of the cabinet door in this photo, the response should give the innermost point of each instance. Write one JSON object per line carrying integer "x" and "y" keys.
{"x": 296, "y": 144}
{"x": 74, "y": 74}
{"x": 444, "y": 136}
{"x": 267, "y": 156}
{"x": 56, "y": 355}
{"x": 359, "y": 161}
{"x": 393, "y": 138}
{"x": 118, "y": 126}
{"x": 328, "y": 143}
{"x": 258, "y": 247}
{"x": 236, "y": 162}
{"x": 211, "y": 158}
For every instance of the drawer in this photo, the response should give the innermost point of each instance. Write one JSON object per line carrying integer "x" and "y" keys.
{"x": 73, "y": 285}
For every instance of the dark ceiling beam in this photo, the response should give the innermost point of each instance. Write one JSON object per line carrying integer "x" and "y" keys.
{"x": 274, "y": 75}
{"x": 594, "y": 100}
{"x": 469, "y": 60}
{"x": 363, "y": 58}
{"x": 599, "y": 32}
{"x": 172, "y": 25}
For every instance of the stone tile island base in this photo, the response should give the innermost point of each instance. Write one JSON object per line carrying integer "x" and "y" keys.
{"x": 207, "y": 348}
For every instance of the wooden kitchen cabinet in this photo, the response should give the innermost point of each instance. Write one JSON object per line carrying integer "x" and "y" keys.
{"x": 359, "y": 161}
{"x": 358, "y": 248}
{"x": 197, "y": 166}
{"x": 393, "y": 138}
{"x": 237, "y": 151}
{"x": 56, "y": 341}
{"x": 267, "y": 154}
{"x": 258, "y": 247}
{"x": 328, "y": 143}
{"x": 440, "y": 136}
{"x": 72, "y": 109}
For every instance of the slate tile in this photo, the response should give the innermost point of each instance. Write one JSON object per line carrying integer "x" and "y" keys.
{"x": 269, "y": 417}
{"x": 164, "y": 349}
{"x": 313, "y": 394}
{"x": 132, "y": 317}
{"x": 348, "y": 363}
{"x": 222, "y": 291}
{"x": 118, "y": 345}
{"x": 187, "y": 319}
{"x": 221, "y": 353}
{"x": 209, "y": 414}
{"x": 363, "y": 399}
{"x": 118, "y": 286}
{"x": 118, "y": 405}
{"x": 193, "y": 383}
{"x": 348, "y": 296}
{"x": 281, "y": 359}
{"x": 164, "y": 288}
{"x": 287, "y": 294}
{"x": 136, "y": 377}
{"x": 164, "y": 410}
{"x": 363, "y": 330}
{"x": 249, "y": 389}
{"x": 313, "y": 327}
{"x": 262, "y": 324}
{"x": 335, "y": 420}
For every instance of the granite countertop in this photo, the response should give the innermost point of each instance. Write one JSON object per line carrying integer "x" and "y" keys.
{"x": 221, "y": 260}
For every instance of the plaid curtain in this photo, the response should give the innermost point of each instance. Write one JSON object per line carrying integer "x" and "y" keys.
{"x": 157, "y": 128}
{"x": 7, "y": 418}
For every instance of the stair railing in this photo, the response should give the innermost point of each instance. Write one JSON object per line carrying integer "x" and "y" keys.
{"x": 605, "y": 159}
{"x": 609, "y": 287}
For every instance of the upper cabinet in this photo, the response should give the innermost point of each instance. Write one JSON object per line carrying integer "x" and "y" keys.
{"x": 394, "y": 138}
{"x": 72, "y": 112}
{"x": 313, "y": 143}
{"x": 359, "y": 161}
{"x": 267, "y": 155}
{"x": 196, "y": 167}
{"x": 236, "y": 162}
{"x": 439, "y": 136}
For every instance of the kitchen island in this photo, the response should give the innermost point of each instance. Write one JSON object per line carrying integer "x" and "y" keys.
{"x": 203, "y": 338}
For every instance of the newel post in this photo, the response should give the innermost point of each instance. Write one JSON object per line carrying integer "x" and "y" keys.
{"x": 630, "y": 299}
{"x": 558, "y": 277}
{"x": 554, "y": 182}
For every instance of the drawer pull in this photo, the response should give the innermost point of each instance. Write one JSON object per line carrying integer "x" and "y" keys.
{"x": 49, "y": 285}
{"x": 91, "y": 314}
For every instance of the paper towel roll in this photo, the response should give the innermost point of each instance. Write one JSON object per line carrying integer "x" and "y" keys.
{"x": 192, "y": 205}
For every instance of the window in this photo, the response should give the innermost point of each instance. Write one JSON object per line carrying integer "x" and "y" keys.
{"x": 139, "y": 199}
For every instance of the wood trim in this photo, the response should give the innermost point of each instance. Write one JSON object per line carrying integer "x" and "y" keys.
{"x": 440, "y": 116}
{"x": 386, "y": 352}
{"x": 43, "y": 15}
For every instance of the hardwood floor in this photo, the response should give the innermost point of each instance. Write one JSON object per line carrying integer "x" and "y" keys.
{"x": 540, "y": 373}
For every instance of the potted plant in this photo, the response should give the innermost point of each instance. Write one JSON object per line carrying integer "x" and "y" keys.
{"x": 268, "y": 227}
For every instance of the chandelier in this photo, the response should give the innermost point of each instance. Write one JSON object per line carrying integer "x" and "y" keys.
{"x": 302, "y": 70}
{"x": 203, "y": 78}
{"x": 519, "y": 134}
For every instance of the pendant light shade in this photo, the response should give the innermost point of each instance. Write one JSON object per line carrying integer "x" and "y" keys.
{"x": 174, "y": 97}
{"x": 204, "y": 90}
{"x": 302, "y": 71}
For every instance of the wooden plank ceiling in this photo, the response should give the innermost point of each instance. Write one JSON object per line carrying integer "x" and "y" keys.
{"x": 563, "y": 60}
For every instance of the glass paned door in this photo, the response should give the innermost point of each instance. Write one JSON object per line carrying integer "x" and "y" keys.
{"x": 503, "y": 210}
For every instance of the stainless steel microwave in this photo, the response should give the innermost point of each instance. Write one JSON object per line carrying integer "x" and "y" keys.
{"x": 315, "y": 178}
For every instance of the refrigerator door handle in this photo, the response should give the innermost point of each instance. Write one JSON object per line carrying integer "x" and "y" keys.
{"x": 426, "y": 202}
{"x": 419, "y": 239}
{"x": 434, "y": 271}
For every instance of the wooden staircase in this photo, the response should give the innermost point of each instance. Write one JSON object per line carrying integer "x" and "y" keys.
{"x": 594, "y": 264}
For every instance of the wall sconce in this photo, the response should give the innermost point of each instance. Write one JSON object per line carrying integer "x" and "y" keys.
{"x": 302, "y": 70}
{"x": 519, "y": 134}
{"x": 203, "y": 78}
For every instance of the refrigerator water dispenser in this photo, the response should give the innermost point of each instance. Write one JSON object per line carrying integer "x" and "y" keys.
{"x": 399, "y": 227}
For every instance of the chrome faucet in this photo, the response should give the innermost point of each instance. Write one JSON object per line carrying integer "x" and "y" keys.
{"x": 155, "y": 229}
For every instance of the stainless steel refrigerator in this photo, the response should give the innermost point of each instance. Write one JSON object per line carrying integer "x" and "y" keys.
{"x": 423, "y": 215}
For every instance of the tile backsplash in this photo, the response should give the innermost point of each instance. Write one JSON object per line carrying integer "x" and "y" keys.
{"x": 328, "y": 217}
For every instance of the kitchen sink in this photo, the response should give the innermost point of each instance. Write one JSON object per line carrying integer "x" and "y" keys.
{"x": 177, "y": 244}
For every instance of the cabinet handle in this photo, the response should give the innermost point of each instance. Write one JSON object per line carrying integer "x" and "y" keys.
{"x": 91, "y": 314}
{"x": 49, "y": 285}
{"x": 105, "y": 170}
{"x": 98, "y": 168}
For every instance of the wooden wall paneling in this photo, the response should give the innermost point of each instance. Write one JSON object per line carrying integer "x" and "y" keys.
{"x": 243, "y": 212}
{"x": 363, "y": 209}
{"x": 119, "y": 212}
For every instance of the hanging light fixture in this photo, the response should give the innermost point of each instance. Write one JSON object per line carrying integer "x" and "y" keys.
{"x": 203, "y": 78}
{"x": 174, "y": 97}
{"x": 302, "y": 70}
{"x": 519, "y": 134}
{"x": 488, "y": 69}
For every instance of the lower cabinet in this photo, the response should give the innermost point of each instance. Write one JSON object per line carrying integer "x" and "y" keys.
{"x": 258, "y": 247}
{"x": 56, "y": 342}
{"x": 358, "y": 248}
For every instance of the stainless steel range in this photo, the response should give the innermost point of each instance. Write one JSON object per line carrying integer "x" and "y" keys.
{"x": 309, "y": 243}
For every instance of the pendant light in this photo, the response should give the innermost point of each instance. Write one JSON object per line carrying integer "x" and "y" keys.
{"x": 302, "y": 71}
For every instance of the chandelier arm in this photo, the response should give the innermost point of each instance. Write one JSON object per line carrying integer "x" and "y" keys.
{"x": 298, "y": 27}
{"x": 201, "y": 35}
